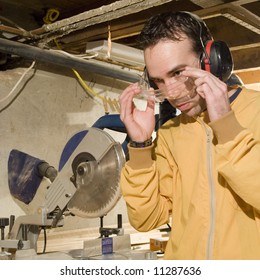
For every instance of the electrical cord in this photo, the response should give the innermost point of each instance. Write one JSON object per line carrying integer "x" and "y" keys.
{"x": 12, "y": 23}
{"x": 113, "y": 103}
{"x": 51, "y": 15}
{"x": 9, "y": 95}
{"x": 44, "y": 240}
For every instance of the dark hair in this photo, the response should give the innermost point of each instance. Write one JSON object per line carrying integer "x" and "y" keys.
{"x": 175, "y": 26}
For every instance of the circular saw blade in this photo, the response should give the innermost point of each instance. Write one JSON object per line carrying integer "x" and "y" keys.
{"x": 97, "y": 169}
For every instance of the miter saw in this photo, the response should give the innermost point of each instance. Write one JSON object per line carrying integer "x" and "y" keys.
{"x": 86, "y": 185}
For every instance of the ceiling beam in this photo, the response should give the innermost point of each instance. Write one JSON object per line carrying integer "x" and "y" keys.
{"x": 249, "y": 76}
{"x": 105, "y": 13}
{"x": 247, "y": 57}
{"x": 239, "y": 14}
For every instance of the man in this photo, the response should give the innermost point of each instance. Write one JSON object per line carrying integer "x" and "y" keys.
{"x": 203, "y": 169}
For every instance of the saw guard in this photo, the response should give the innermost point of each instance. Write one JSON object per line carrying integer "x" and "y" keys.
{"x": 96, "y": 165}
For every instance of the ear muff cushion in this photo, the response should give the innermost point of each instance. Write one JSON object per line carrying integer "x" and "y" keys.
{"x": 217, "y": 59}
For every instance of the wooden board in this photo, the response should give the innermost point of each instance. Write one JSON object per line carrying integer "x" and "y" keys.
{"x": 58, "y": 240}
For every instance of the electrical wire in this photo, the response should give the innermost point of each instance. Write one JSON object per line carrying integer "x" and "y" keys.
{"x": 44, "y": 240}
{"x": 52, "y": 15}
{"x": 84, "y": 56}
{"x": 85, "y": 86}
{"x": 112, "y": 103}
{"x": 12, "y": 23}
{"x": 106, "y": 101}
{"x": 14, "y": 88}
{"x": 81, "y": 81}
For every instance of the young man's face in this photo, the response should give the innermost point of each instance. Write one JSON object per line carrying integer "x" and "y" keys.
{"x": 165, "y": 62}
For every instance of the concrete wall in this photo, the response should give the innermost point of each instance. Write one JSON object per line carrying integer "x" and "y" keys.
{"x": 50, "y": 106}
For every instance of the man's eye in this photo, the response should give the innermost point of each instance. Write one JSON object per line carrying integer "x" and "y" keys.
{"x": 157, "y": 81}
{"x": 177, "y": 73}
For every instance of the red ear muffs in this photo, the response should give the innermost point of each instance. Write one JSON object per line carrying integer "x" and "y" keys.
{"x": 217, "y": 59}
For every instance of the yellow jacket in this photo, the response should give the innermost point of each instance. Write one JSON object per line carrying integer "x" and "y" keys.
{"x": 207, "y": 177}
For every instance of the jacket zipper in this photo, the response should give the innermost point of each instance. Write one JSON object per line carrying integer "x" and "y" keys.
{"x": 212, "y": 195}
{"x": 210, "y": 241}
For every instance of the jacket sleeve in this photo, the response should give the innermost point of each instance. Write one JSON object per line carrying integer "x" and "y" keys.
{"x": 238, "y": 156}
{"x": 148, "y": 203}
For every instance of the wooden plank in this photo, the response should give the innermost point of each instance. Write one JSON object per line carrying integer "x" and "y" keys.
{"x": 250, "y": 76}
{"x": 58, "y": 240}
{"x": 247, "y": 57}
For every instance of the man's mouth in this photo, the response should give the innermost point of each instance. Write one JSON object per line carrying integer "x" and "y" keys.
{"x": 183, "y": 106}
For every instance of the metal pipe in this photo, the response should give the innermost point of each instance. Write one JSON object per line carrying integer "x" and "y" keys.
{"x": 35, "y": 53}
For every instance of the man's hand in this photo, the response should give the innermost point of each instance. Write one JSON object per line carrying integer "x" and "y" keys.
{"x": 139, "y": 124}
{"x": 212, "y": 89}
